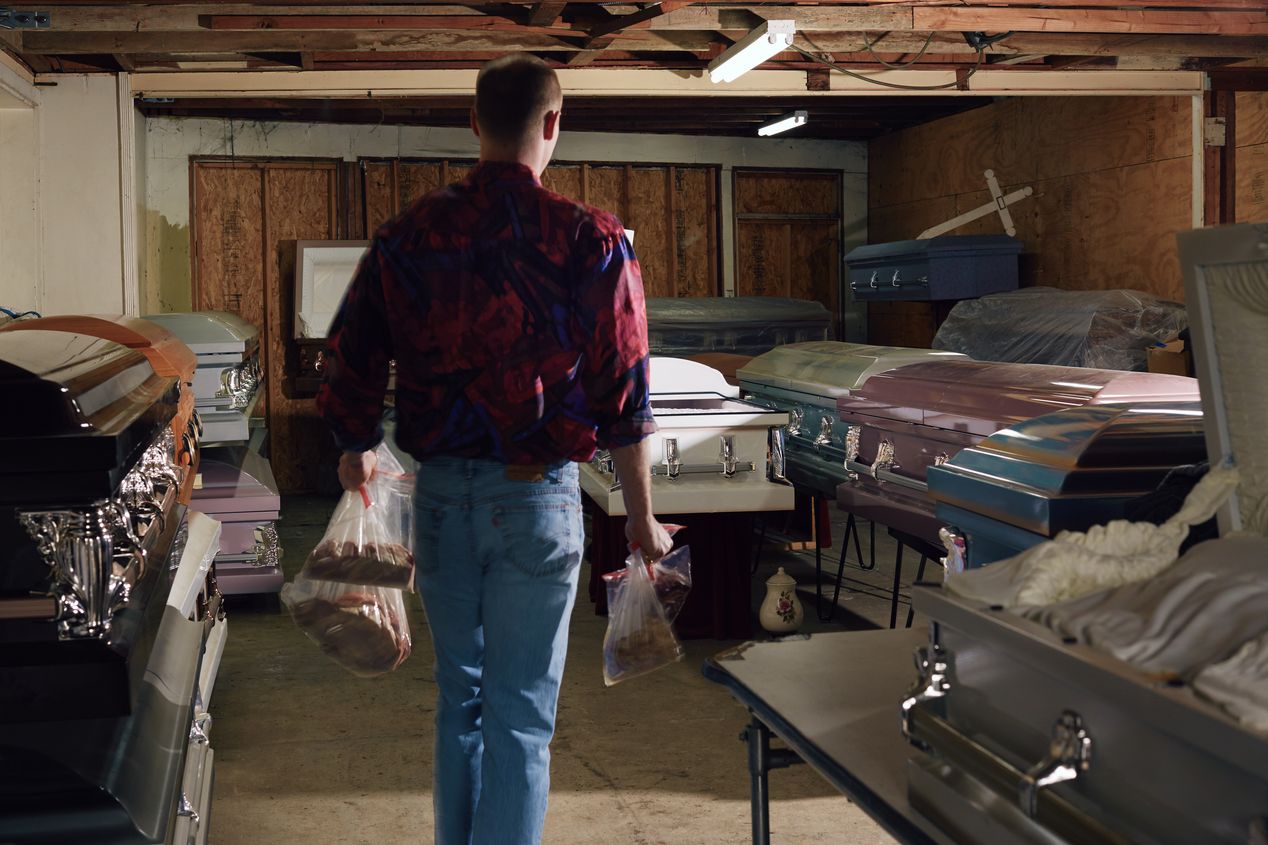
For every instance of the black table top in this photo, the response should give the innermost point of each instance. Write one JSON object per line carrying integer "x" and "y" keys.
{"x": 834, "y": 699}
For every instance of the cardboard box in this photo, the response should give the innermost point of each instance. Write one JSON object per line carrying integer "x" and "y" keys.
{"x": 1171, "y": 358}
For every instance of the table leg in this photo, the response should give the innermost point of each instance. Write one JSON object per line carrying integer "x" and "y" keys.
{"x": 761, "y": 760}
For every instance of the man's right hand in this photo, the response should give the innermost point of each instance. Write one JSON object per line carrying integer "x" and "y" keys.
{"x": 650, "y": 536}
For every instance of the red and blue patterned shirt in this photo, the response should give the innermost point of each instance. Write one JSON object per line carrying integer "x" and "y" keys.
{"x": 515, "y": 318}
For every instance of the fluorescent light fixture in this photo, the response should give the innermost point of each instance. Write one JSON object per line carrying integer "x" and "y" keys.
{"x": 770, "y": 38}
{"x": 783, "y": 124}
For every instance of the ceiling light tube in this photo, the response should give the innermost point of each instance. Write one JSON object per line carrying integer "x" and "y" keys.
{"x": 767, "y": 40}
{"x": 783, "y": 124}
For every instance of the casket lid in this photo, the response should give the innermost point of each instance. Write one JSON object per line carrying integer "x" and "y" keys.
{"x": 945, "y": 246}
{"x": 235, "y": 478}
{"x": 1226, "y": 290}
{"x": 166, "y": 352}
{"x": 718, "y": 311}
{"x": 979, "y": 397}
{"x": 828, "y": 368}
{"x": 86, "y": 408}
{"x": 210, "y": 332}
{"x": 1045, "y": 452}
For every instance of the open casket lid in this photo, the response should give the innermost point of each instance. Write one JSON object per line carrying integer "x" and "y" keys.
{"x": 1099, "y": 450}
{"x": 235, "y": 478}
{"x": 323, "y": 271}
{"x": 165, "y": 351}
{"x": 827, "y": 368}
{"x": 1226, "y": 291}
{"x": 82, "y": 411}
{"x": 210, "y": 332}
{"x": 981, "y": 398}
{"x": 703, "y": 410}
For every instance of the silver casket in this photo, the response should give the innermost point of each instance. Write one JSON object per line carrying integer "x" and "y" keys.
{"x": 710, "y": 453}
{"x": 1064, "y": 471}
{"x": 806, "y": 380}
{"x": 1135, "y": 713}
{"x": 110, "y": 618}
{"x": 230, "y": 372}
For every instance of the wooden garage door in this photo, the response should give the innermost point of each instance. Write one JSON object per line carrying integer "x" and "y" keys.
{"x": 788, "y": 235}
{"x": 246, "y": 216}
{"x": 673, "y": 210}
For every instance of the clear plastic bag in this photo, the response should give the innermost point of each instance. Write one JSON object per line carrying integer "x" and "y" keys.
{"x": 362, "y": 628}
{"x": 1106, "y": 329}
{"x": 671, "y": 578}
{"x": 639, "y": 638}
{"x": 369, "y": 538}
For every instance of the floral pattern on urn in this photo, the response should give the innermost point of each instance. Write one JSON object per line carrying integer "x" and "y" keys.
{"x": 781, "y": 611}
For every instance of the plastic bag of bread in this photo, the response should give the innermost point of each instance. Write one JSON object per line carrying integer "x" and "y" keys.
{"x": 362, "y": 628}
{"x": 639, "y": 638}
{"x": 671, "y": 578}
{"x": 368, "y": 540}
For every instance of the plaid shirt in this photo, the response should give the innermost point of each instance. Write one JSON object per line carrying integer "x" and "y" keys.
{"x": 516, "y": 321}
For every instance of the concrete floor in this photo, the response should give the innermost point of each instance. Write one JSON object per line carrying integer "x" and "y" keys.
{"x": 306, "y": 753}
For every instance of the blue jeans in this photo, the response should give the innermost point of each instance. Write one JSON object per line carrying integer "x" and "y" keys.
{"x": 497, "y": 566}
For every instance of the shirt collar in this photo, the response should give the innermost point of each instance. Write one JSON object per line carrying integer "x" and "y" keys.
{"x": 503, "y": 171}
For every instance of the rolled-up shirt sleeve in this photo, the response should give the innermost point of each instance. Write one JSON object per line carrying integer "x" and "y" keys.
{"x": 358, "y": 356}
{"x": 614, "y": 321}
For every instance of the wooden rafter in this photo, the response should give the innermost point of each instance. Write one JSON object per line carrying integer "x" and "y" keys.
{"x": 545, "y": 14}
{"x": 959, "y": 19}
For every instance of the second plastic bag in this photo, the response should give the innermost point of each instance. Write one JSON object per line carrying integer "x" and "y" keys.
{"x": 368, "y": 540}
{"x": 362, "y": 628}
{"x": 639, "y": 638}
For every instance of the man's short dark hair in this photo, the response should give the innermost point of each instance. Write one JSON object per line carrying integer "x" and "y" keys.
{"x": 513, "y": 94}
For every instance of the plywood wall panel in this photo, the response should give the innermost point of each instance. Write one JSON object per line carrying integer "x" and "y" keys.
{"x": 379, "y": 194}
{"x": 606, "y": 187}
{"x": 563, "y": 179}
{"x": 299, "y": 205}
{"x": 695, "y": 218}
{"x": 1069, "y": 135}
{"x": 813, "y": 252}
{"x": 763, "y": 259}
{"x": 418, "y": 180}
{"x": 1252, "y": 118}
{"x": 227, "y": 202}
{"x": 647, "y": 213}
{"x": 763, "y": 192}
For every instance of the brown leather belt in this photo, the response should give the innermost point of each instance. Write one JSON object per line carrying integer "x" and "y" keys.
{"x": 525, "y": 472}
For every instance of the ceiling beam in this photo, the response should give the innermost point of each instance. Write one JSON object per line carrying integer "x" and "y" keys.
{"x": 397, "y": 23}
{"x": 545, "y": 14}
{"x": 284, "y": 41}
{"x": 960, "y": 19}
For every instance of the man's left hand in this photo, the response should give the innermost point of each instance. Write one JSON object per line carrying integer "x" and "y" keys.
{"x": 355, "y": 468}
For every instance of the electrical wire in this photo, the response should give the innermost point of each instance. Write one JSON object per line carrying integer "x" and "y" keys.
{"x": 16, "y": 315}
{"x": 981, "y": 55}
{"x": 868, "y": 45}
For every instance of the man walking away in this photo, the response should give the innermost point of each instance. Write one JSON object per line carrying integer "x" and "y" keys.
{"x": 516, "y": 321}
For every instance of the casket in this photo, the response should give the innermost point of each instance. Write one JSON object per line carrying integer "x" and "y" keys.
{"x": 1064, "y": 471}
{"x": 229, "y": 375}
{"x": 709, "y": 456}
{"x": 1025, "y": 734}
{"x": 909, "y": 419}
{"x": 167, "y": 355}
{"x": 740, "y": 325}
{"x": 237, "y": 488}
{"x": 946, "y": 267}
{"x": 142, "y": 777}
{"x": 806, "y": 380}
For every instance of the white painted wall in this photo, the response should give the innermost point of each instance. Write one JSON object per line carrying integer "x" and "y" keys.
{"x": 79, "y": 196}
{"x": 171, "y": 141}
{"x": 19, "y": 186}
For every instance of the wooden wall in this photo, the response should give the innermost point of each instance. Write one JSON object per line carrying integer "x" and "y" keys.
{"x": 1112, "y": 182}
{"x": 1251, "y": 114}
{"x": 673, "y": 210}
{"x": 247, "y": 217}
{"x": 788, "y": 235}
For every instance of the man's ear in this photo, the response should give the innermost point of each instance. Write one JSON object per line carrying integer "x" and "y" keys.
{"x": 550, "y": 126}
{"x": 475, "y": 124}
